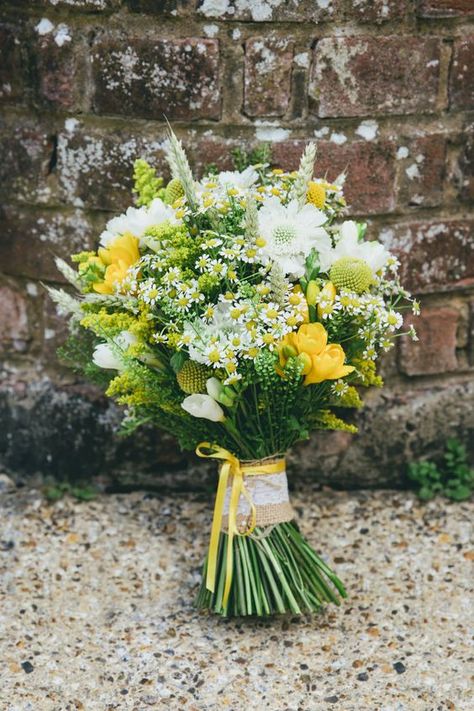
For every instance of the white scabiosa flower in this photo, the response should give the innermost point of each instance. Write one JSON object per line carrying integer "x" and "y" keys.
{"x": 108, "y": 355}
{"x": 203, "y": 406}
{"x": 290, "y": 233}
{"x": 136, "y": 220}
{"x": 348, "y": 245}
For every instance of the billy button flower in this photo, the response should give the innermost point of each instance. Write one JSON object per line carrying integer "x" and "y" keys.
{"x": 316, "y": 194}
{"x": 321, "y": 361}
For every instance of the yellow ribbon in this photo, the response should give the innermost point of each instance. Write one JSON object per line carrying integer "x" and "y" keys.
{"x": 231, "y": 467}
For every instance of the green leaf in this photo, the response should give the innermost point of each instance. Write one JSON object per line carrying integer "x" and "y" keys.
{"x": 425, "y": 493}
{"x": 177, "y": 361}
{"x": 460, "y": 493}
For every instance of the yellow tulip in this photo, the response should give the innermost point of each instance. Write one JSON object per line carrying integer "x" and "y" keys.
{"x": 328, "y": 365}
{"x": 118, "y": 257}
{"x": 320, "y": 360}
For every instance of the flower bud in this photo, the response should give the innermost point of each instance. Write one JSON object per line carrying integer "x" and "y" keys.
{"x": 289, "y": 351}
{"x": 312, "y": 293}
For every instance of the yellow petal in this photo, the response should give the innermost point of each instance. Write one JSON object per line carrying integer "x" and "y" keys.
{"x": 312, "y": 338}
{"x": 103, "y": 288}
{"x": 328, "y": 365}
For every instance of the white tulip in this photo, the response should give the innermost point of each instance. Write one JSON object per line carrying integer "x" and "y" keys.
{"x": 203, "y": 406}
{"x": 214, "y": 388}
{"x": 106, "y": 356}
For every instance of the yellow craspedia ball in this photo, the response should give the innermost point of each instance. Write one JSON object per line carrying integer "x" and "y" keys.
{"x": 316, "y": 195}
{"x": 192, "y": 377}
{"x": 351, "y": 273}
{"x": 173, "y": 191}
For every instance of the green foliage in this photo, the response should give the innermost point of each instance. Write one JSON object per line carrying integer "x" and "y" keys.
{"x": 452, "y": 478}
{"x": 81, "y": 491}
{"x": 76, "y": 353}
{"x": 242, "y": 159}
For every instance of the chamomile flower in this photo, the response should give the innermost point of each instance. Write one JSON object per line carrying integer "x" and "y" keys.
{"x": 339, "y": 388}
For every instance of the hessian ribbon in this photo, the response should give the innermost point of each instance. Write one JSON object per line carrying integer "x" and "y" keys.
{"x": 231, "y": 467}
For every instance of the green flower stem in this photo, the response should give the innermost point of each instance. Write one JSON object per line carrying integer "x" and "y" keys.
{"x": 274, "y": 571}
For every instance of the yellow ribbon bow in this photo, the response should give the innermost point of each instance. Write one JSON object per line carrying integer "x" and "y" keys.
{"x": 231, "y": 467}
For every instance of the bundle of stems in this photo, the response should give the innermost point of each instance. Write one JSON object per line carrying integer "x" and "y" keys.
{"x": 275, "y": 570}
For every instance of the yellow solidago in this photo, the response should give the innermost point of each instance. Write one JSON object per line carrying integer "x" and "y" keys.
{"x": 366, "y": 373}
{"x": 128, "y": 391}
{"x": 327, "y": 420}
{"x": 108, "y": 325}
{"x": 142, "y": 326}
{"x": 349, "y": 398}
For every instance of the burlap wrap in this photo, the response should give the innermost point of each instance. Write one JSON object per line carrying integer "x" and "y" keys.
{"x": 269, "y": 493}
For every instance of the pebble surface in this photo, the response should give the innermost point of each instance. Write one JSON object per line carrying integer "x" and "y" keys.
{"x": 96, "y": 609}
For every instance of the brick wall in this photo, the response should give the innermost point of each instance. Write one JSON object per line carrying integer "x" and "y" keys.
{"x": 386, "y": 86}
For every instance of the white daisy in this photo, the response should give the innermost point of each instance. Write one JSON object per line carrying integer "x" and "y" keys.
{"x": 290, "y": 233}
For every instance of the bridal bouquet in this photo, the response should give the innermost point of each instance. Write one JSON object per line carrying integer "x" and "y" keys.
{"x": 238, "y": 312}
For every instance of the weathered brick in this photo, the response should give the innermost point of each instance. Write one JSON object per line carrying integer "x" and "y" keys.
{"x": 435, "y": 256}
{"x": 27, "y": 161}
{"x": 378, "y": 11}
{"x": 95, "y": 167}
{"x": 370, "y": 167}
{"x": 58, "y": 63}
{"x": 151, "y": 78}
{"x": 211, "y": 150}
{"x": 54, "y": 329}
{"x": 421, "y": 163}
{"x": 435, "y": 352}
{"x": 11, "y": 64}
{"x": 267, "y": 76}
{"x": 445, "y": 8}
{"x": 14, "y": 334}
{"x": 355, "y": 76}
{"x": 461, "y": 83}
{"x": 83, "y": 5}
{"x": 270, "y": 10}
{"x": 31, "y": 240}
{"x": 470, "y": 335}
{"x": 164, "y": 7}
{"x": 464, "y": 170}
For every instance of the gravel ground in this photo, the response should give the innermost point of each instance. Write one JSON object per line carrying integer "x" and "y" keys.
{"x": 96, "y": 609}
